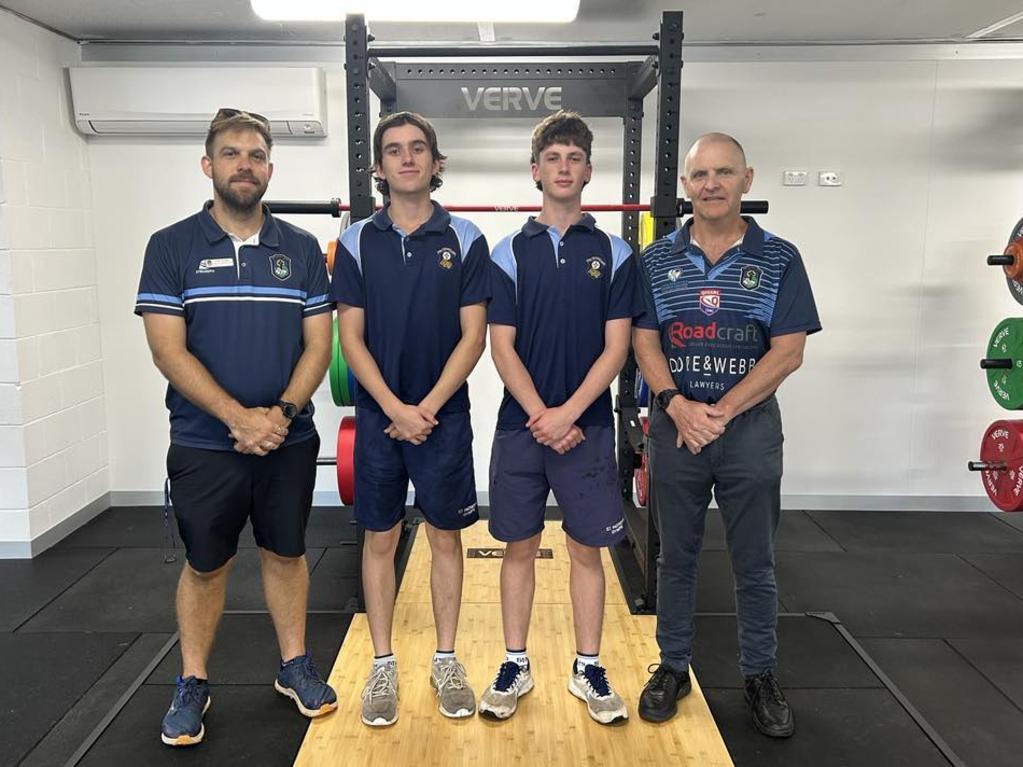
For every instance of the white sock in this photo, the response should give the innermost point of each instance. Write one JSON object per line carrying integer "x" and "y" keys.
{"x": 517, "y": 656}
{"x": 383, "y": 660}
{"x": 582, "y": 661}
{"x": 441, "y": 656}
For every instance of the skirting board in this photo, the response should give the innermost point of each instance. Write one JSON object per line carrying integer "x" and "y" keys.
{"x": 57, "y": 533}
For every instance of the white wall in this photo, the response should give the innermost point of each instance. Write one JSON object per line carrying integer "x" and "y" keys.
{"x": 53, "y": 449}
{"x": 890, "y": 403}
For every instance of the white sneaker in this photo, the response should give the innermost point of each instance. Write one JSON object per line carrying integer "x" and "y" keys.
{"x": 501, "y": 698}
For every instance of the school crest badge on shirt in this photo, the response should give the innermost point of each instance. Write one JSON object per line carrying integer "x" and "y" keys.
{"x": 749, "y": 277}
{"x": 446, "y": 258}
{"x": 280, "y": 266}
{"x": 595, "y": 267}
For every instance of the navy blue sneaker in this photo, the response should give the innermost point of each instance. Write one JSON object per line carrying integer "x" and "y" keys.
{"x": 182, "y": 725}
{"x": 299, "y": 680}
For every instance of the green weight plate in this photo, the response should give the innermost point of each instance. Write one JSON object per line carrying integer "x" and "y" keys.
{"x": 342, "y": 378}
{"x": 1007, "y": 343}
{"x": 335, "y": 358}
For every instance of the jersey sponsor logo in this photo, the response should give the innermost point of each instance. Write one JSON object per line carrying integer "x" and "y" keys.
{"x": 710, "y": 365}
{"x": 208, "y": 265}
{"x": 280, "y": 266}
{"x": 710, "y": 301}
{"x": 674, "y": 275}
{"x": 594, "y": 266}
{"x": 446, "y": 258}
{"x": 749, "y": 277}
{"x": 679, "y": 333}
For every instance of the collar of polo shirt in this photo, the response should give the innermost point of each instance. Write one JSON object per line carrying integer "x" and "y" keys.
{"x": 268, "y": 233}
{"x": 752, "y": 241}
{"x": 532, "y": 227}
{"x": 438, "y": 221}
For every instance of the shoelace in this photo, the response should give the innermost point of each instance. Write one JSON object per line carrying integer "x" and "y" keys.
{"x": 596, "y": 678}
{"x": 452, "y": 675}
{"x": 506, "y": 675}
{"x": 773, "y": 688}
{"x": 380, "y": 684}
{"x": 660, "y": 674}
{"x": 305, "y": 665}
{"x": 188, "y": 692}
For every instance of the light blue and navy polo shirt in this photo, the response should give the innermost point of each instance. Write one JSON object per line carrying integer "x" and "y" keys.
{"x": 412, "y": 286}
{"x": 717, "y": 320}
{"x": 558, "y": 292}
{"x": 243, "y": 310}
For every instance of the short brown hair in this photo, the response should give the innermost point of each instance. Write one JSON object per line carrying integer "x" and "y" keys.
{"x": 407, "y": 118}
{"x": 562, "y": 127}
{"x": 229, "y": 119}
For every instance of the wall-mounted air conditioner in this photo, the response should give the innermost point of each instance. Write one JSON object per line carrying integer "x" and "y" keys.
{"x": 181, "y": 101}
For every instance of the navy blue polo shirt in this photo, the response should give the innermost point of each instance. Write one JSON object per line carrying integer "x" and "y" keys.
{"x": 243, "y": 314}
{"x": 716, "y": 320}
{"x": 558, "y": 292}
{"x": 412, "y": 287}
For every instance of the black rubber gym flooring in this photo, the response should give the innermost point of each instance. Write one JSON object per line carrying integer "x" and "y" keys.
{"x": 934, "y": 599}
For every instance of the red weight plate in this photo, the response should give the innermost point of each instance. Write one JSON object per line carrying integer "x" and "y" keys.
{"x": 346, "y": 460}
{"x": 640, "y": 474}
{"x": 1003, "y": 441}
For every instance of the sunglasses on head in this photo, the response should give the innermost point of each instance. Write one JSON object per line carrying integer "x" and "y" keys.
{"x": 225, "y": 112}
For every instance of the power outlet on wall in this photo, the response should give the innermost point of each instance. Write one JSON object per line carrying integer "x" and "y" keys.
{"x": 793, "y": 178}
{"x": 829, "y": 178}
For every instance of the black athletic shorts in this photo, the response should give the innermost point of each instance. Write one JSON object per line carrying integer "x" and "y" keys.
{"x": 214, "y": 492}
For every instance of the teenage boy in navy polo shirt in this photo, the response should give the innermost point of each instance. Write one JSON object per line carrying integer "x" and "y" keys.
{"x": 564, "y": 297}
{"x": 412, "y": 283}
{"x": 237, "y": 316}
{"x": 728, "y": 309}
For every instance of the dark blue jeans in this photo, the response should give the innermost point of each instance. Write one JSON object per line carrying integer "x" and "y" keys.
{"x": 743, "y": 469}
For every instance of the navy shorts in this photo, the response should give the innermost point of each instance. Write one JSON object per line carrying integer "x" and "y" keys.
{"x": 214, "y": 492}
{"x": 440, "y": 469}
{"x": 584, "y": 481}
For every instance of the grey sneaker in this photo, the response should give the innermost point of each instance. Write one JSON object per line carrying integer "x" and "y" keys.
{"x": 590, "y": 684}
{"x": 501, "y": 698}
{"x": 455, "y": 697}
{"x": 380, "y": 696}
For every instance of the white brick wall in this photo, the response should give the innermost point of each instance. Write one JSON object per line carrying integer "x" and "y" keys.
{"x": 53, "y": 439}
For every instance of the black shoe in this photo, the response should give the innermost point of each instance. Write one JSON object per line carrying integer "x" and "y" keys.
{"x": 657, "y": 702}
{"x": 771, "y": 712}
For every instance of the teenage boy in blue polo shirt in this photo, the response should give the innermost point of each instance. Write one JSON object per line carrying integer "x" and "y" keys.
{"x": 412, "y": 283}
{"x": 728, "y": 309}
{"x": 237, "y": 316}
{"x": 564, "y": 297}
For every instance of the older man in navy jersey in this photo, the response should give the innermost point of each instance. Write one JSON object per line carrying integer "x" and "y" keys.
{"x": 728, "y": 309}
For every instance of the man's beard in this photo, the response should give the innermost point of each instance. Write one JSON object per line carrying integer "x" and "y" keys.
{"x": 239, "y": 201}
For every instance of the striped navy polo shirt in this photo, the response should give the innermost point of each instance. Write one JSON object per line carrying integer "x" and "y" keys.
{"x": 243, "y": 313}
{"x": 716, "y": 320}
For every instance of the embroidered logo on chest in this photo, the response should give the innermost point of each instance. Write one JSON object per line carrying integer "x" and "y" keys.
{"x": 595, "y": 267}
{"x": 280, "y": 266}
{"x": 446, "y": 258}
{"x": 674, "y": 275}
{"x": 749, "y": 277}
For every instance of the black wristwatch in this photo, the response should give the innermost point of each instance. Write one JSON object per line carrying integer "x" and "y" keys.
{"x": 665, "y": 396}
{"x": 289, "y": 409}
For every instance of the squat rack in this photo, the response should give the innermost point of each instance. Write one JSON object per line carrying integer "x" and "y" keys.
{"x": 603, "y": 88}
